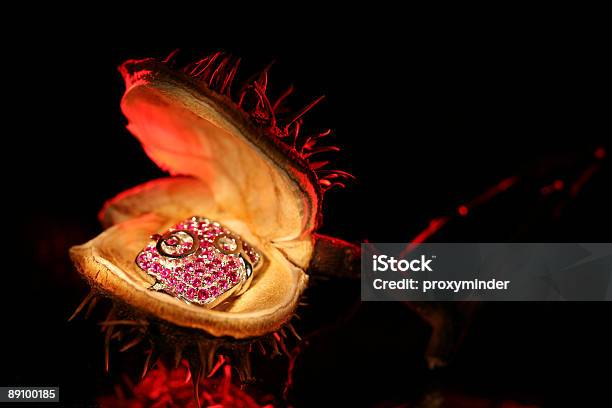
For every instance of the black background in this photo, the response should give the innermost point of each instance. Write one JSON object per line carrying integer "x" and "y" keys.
{"x": 426, "y": 121}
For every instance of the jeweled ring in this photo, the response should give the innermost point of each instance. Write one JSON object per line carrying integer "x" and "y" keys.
{"x": 199, "y": 261}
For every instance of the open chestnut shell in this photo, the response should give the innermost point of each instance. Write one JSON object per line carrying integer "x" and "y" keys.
{"x": 229, "y": 161}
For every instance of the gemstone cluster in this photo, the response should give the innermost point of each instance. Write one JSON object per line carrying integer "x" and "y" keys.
{"x": 197, "y": 260}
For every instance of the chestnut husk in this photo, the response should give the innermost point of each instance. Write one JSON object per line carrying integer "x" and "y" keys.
{"x": 228, "y": 160}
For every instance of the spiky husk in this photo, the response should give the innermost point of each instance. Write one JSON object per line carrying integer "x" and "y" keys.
{"x": 135, "y": 328}
{"x": 218, "y": 71}
{"x": 128, "y": 329}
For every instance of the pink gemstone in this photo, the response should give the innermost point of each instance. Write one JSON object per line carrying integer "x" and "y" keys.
{"x": 165, "y": 273}
{"x": 172, "y": 241}
{"x": 143, "y": 261}
{"x": 233, "y": 276}
{"x": 172, "y": 280}
{"x": 186, "y": 276}
{"x": 203, "y": 294}
{"x": 155, "y": 268}
{"x": 180, "y": 287}
{"x": 208, "y": 280}
{"x": 223, "y": 284}
{"x": 191, "y": 293}
{"x": 196, "y": 282}
{"x": 214, "y": 291}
